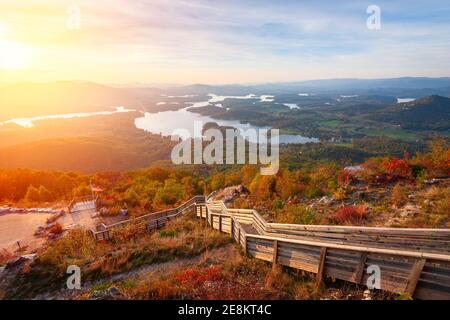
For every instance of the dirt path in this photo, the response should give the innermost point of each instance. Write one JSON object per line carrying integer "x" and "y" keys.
{"x": 218, "y": 255}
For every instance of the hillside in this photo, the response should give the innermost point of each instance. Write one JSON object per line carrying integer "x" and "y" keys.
{"x": 40, "y": 99}
{"x": 92, "y": 144}
{"x": 185, "y": 259}
{"x": 427, "y": 113}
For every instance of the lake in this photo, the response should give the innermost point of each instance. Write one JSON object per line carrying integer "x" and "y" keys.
{"x": 167, "y": 122}
{"x": 20, "y": 227}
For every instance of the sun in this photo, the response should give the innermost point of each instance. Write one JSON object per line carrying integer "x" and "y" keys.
{"x": 14, "y": 55}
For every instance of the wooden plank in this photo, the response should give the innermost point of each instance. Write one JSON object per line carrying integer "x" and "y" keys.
{"x": 323, "y": 254}
{"x": 239, "y": 235}
{"x": 245, "y": 244}
{"x": 232, "y": 229}
{"x": 275, "y": 253}
{"x": 414, "y": 276}
{"x": 298, "y": 264}
{"x": 340, "y": 251}
{"x": 426, "y": 255}
{"x": 359, "y": 272}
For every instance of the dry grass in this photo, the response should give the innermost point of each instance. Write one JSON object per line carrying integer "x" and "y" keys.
{"x": 350, "y": 214}
{"x": 98, "y": 260}
{"x": 436, "y": 208}
{"x": 398, "y": 196}
{"x": 5, "y": 256}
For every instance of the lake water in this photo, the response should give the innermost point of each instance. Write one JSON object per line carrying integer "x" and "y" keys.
{"x": 20, "y": 227}
{"x": 181, "y": 122}
{"x": 168, "y": 123}
{"x": 403, "y": 100}
{"x": 28, "y": 122}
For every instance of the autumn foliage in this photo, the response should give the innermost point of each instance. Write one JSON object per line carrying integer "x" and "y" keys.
{"x": 5, "y": 256}
{"x": 350, "y": 214}
{"x": 56, "y": 228}
{"x": 345, "y": 178}
{"x": 195, "y": 277}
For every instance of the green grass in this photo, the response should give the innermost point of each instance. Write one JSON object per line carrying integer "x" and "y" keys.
{"x": 101, "y": 286}
{"x": 392, "y": 133}
{"x": 331, "y": 123}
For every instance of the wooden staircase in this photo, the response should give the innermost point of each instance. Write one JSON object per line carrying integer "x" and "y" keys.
{"x": 414, "y": 261}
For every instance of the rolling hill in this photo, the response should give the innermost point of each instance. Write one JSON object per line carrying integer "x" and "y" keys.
{"x": 427, "y": 113}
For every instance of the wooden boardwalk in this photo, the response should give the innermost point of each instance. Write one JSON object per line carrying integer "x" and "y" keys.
{"x": 414, "y": 261}
{"x": 83, "y": 211}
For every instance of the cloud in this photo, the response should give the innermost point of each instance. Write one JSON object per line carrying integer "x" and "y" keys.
{"x": 245, "y": 39}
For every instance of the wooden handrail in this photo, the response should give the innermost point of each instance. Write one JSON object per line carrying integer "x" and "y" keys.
{"x": 148, "y": 218}
{"x": 419, "y": 264}
{"x": 421, "y": 257}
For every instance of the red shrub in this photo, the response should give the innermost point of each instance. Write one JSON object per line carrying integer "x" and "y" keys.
{"x": 350, "y": 214}
{"x": 397, "y": 167}
{"x": 56, "y": 228}
{"x": 345, "y": 178}
{"x": 5, "y": 256}
{"x": 198, "y": 277}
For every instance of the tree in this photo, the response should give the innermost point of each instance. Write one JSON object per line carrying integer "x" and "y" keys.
{"x": 44, "y": 194}
{"x": 32, "y": 194}
{"x": 398, "y": 196}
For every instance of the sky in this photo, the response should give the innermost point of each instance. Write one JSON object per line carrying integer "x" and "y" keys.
{"x": 219, "y": 42}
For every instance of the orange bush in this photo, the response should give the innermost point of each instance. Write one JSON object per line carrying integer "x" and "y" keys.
{"x": 345, "y": 178}
{"x": 198, "y": 277}
{"x": 5, "y": 256}
{"x": 350, "y": 214}
{"x": 396, "y": 167}
{"x": 56, "y": 228}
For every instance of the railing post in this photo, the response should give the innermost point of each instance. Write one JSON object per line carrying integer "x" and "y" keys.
{"x": 359, "y": 272}
{"x": 245, "y": 245}
{"x": 414, "y": 276}
{"x": 220, "y": 223}
{"x": 275, "y": 253}
{"x": 232, "y": 227}
{"x": 239, "y": 236}
{"x": 320, "y": 271}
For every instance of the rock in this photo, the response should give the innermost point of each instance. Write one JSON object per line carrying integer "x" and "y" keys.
{"x": 2, "y": 269}
{"x": 367, "y": 295}
{"x": 53, "y": 236}
{"x": 111, "y": 293}
{"x": 31, "y": 256}
{"x": 18, "y": 262}
{"x": 228, "y": 194}
{"x": 409, "y": 210}
{"x": 404, "y": 214}
{"x": 326, "y": 200}
{"x": 40, "y": 232}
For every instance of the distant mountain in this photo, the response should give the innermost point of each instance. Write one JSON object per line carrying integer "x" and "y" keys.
{"x": 405, "y": 86}
{"x": 427, "y": 113}
{"x": 203, "y": 89}
{"x": 404, "y": 82}
{"x": 36, "y": 99}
